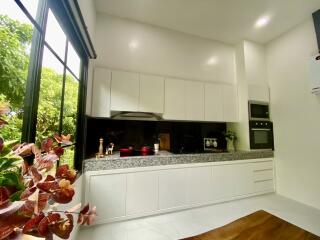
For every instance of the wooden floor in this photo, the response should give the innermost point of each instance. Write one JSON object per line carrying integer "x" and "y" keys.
{"x": 257, "y": 226}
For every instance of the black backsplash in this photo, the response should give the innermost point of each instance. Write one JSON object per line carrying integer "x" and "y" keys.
{"x": 184, "y": 136}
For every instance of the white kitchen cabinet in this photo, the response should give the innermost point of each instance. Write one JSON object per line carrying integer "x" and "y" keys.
{"x": 172, "y": 188}
{"x": 142, "y": 192}
{"x": 175, "y": 104}
{"x": 222, "y": 182}
{"x": 124, "y": 91}
{"x": 258, "y": 93}
{"x": 108, "y": 194}
{"x": 194, "y": 92}
{"x": 151, "y": 93}
{"x": 230, "y": 103}
{"x": 101, "y": 93}
{"x": 213, "y": 102}
{"x": 199, "y": 185}
{"x": 243, "y": 179}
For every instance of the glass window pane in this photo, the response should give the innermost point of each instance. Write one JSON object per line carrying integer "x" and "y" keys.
{"x": 31, "y": 6}
{"x": 70, "y": 109}
{"x": 55, "y": 36}
{"x": 16, "y": 33}
{"x": 68, "y": 156}
{"x": 73, "y": 61}
{"x": 50, "y": 96}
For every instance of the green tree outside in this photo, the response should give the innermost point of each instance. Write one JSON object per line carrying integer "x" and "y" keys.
{"x": 15, "y": 40}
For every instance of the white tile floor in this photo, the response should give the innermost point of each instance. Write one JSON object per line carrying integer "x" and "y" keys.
{"x": 195, "y": 221}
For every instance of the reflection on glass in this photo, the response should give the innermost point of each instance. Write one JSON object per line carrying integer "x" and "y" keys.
{"x": 70, "y": 109}
{"x": 55, "y": 36}
{"x": 68, "y": 156}
{"x": 50, "y": 97}
{"x": 73, "y": 61}
{"x": 15, "y": 43}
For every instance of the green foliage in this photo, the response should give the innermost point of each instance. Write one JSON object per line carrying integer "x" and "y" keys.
{"x": 15, "y": 37}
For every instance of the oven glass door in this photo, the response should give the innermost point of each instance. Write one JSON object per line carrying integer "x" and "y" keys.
{"x": 261, "y": 138}
{"x": 259, "y": 111}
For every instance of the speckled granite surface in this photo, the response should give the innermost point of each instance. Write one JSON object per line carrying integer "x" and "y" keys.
{"x": 166, "y": 158}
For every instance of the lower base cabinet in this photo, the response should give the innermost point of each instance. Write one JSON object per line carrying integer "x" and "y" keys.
{"x": 132, "y": 193}
{"x": 142, "y": 192}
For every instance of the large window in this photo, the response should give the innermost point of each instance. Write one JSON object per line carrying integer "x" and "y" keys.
{"x": 43, "y": 72}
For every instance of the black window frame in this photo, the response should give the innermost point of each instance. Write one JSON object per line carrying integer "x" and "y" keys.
{"x": 68, "y": 13}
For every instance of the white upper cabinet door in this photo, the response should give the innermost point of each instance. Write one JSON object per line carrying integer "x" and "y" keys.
{"x": 230, "y": 103}
{"x": 258, "y": 93}
{"x": 108, "y": 193}
{"x": 142, "y": 192}
{"x": 101, "y": 93}
{"x": 172, "y": 188}
{"x": 223, "y": 183}
{"x": 151, "y": 93}
{"x": 199, "y": 185}
{"x": 213, "y": 102}
{"x": 174, "y": 99}
{"x": 124, "y": 91}
{"x": 194, "y": 100}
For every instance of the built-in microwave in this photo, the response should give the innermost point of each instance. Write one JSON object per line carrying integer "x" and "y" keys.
{"x": 259, "y": 111}
{"x": 261, "y": 135}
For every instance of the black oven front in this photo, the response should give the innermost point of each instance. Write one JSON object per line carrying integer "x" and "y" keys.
{"x": 261, "y": 135}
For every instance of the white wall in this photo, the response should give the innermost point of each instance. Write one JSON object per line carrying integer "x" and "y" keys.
{"x": 129, "y": 45}
{"x": 296, "y": 115}
{"x": 89, "y": 14}
{"x": 88, "y": 11}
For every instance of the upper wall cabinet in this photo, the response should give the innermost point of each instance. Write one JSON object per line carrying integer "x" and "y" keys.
{"x": 194, "y": 93}
{"x": 101, "y": 93}
{"x": 124, "y": 91}
{"x": 151, "y": 93}
{"x": 213, "y": 102}
{"x": 230, "y": 103}
{"x": 175, "y": 103}
{"x": 258, "y": 93}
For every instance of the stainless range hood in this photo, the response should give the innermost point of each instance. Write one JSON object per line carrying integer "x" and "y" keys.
{"x": 145, "y": 116}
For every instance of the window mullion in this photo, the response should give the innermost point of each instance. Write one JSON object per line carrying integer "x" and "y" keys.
{"x": 63, "y": 87}
{"x": 34, "y": 75}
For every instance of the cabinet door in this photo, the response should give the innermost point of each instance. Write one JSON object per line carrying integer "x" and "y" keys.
{"x": 194, "y": 100}
{"x": 108, "y": 194}
{"x": 243, "y": 179}
{"x": 230, "y": 103}
{"x": 101, "y": 93}
{"x": 172, "y": 188}
{"x": 258, "y": 93}
{"x": 151, "y": 93}
{"x": 142, "y": 192}
{"x": 174, "y": 99}
{"x": 124, "y": 91}
{"x": 213, "y": 102}
{"x": 223, "y": 183}
{"x": 199, "y": 185}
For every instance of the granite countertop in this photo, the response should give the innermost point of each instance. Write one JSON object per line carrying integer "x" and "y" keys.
{"x": 167, "y": 158}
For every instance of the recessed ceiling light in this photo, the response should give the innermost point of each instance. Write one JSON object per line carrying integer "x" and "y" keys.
{"x": 212, "y": 61}
{"x": 261, "y": 22}
{"x": 133, "y": 45}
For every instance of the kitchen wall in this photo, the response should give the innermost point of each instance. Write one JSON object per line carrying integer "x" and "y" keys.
{"x": 129, "y": 45}
{"x": 296, "y": 114}
{"x": 88, "y": 11}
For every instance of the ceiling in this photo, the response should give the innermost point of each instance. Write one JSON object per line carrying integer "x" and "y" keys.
{"x": 228, "y": 21}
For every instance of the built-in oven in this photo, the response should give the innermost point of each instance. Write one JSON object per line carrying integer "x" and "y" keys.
{"x": 261, "y": 135}
{"x": 259, "y": 111}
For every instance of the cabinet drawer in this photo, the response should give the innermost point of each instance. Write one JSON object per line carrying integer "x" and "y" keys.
{"x": 263, "y": 175}
{"x": 261, "y": 186}
{"x": 263, "y": 166}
